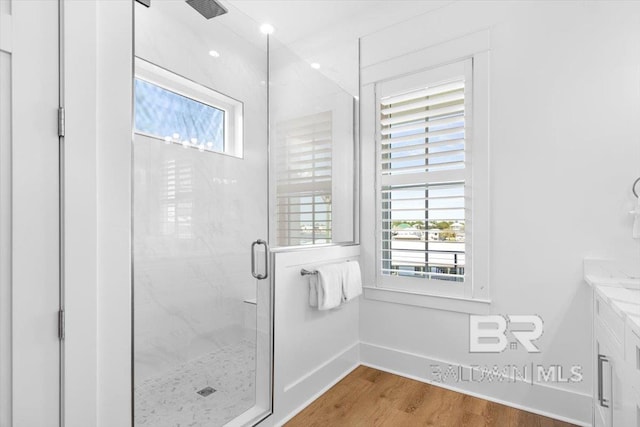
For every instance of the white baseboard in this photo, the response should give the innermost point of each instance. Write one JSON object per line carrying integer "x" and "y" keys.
{"x": 541, "y": 399}
{"x": 348, "y": 356}
{"x": 299, "y": 394}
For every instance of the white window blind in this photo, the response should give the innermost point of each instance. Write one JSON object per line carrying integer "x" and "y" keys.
{"x": 422, "y": 169}
{"x": 303, "y": 171}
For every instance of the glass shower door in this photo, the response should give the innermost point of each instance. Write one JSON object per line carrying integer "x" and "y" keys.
{"x": 202, "y": 292}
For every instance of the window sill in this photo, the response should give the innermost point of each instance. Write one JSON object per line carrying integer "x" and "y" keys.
{"x": 438, "y": 302}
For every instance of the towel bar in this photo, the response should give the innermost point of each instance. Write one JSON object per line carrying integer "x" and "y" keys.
{"x": 305, "y": 272}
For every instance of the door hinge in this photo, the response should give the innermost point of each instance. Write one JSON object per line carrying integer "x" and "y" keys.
{"x": 60, "y": 121}
{"x": 61, "y": 325}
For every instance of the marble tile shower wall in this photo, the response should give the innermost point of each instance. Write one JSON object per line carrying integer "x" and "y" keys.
{"x": 191, "y": 274}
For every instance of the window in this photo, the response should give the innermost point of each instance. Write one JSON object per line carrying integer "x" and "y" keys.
{"x": 166, "y": 114}
{"x": 425, "y": 142}
{"x": 423, "y": 180}
{"x": 303, "y": 171}
{"x": 176, "y": 110}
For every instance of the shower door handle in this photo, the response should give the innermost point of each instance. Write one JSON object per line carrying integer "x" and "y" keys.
{"x": 266, "y": 259}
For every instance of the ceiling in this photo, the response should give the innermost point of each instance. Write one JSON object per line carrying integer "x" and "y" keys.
{"x": 327, "y": 31}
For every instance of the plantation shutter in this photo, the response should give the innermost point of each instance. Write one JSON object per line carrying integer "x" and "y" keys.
{"x": 422, "y": 167}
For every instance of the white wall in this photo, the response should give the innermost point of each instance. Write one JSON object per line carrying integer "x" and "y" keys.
{"x": 5, "y": 218}
{"x": 5, "y": 290}
{"x": 113, "y": 116}
{"x": 29, "y": 238}
{"x": 97, "y": 94}
{"x": 80, "y": 201}
{"x": 313, "y": 349}
{"x": 564, "y": 107}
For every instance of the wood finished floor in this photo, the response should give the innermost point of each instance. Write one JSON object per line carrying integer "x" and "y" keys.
{"x": 369, "y": 397}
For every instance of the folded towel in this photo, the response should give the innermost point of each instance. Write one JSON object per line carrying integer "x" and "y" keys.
{"x": 351, "y": 280}
{"x": 313, "y": 290}
{"x": 329, "y": 286}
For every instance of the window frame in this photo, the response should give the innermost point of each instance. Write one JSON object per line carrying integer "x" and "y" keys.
{"x": 430, "y": 77}
{"x": 475, "y": 45}
{"x": 233, "y": 109}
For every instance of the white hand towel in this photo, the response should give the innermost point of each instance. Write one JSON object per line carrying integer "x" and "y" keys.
{"x": 313, "y": 290}
{"x": 352, "y": 280}
{"x": 329, "y": 286}
{"x": 636, "y": 221}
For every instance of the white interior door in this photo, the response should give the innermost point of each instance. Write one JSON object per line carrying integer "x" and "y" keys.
{"x": 29, "y": 214}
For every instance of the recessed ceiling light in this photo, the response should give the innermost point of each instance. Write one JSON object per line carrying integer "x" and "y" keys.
{"x": 214, "y": 53}
{"x": 267, "y": 28}
{"x": 315, "y": 65}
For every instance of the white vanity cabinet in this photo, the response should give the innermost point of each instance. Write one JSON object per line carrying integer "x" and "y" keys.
{"x": 608, "y": 355}
{"x": 616, "y": 358}
{"x": 632, "y": 359}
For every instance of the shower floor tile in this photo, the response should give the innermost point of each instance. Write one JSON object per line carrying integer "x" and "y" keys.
{"x": 172, "y": 399}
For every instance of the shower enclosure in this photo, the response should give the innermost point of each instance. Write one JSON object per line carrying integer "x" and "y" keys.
{"x": 202, "y": 288}
{"x": 237, "y": 142}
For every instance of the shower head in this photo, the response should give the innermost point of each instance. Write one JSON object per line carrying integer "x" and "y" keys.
{"x": 207, "y": 8}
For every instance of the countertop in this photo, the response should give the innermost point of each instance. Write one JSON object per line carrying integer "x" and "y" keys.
{"x": 618, "y": 284}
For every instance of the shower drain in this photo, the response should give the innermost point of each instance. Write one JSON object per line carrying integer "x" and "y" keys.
{"x": 206, "y": 391}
